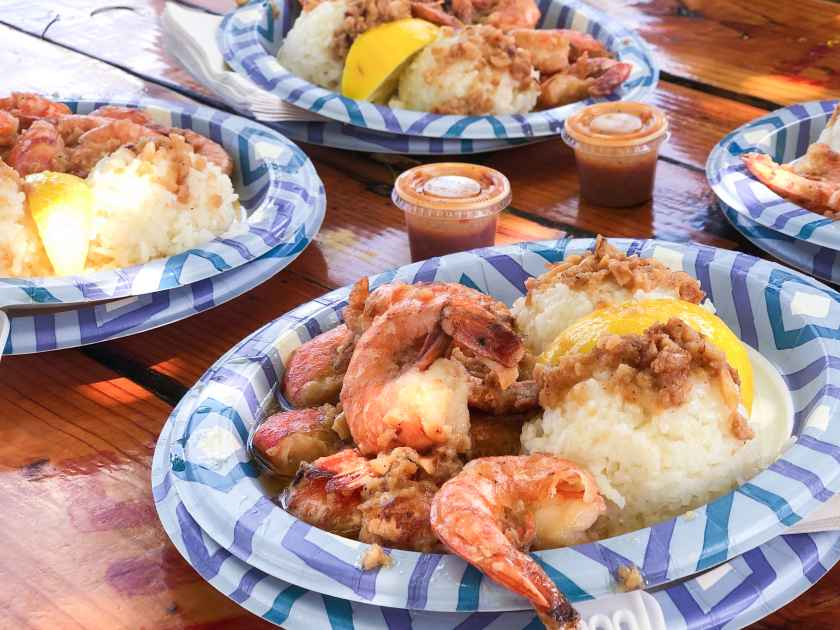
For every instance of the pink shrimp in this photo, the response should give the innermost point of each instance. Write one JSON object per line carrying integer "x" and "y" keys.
{"x": 398, "y": 389}
{"x": 117, "y": 112}
{"x": 209, "y": 150}
{"x": 8, "y": 129}
{"x": 598, "y": 76}
{"x": 812, "y": 181}
{"x": 315, "y": 370}
{"x": 102, "y": 140}
{"x": 554, "y": 50}
{"x": 28, "y": 107}
{"x": 39, "y": 148}
{"x": 331, "y": 506}
{"x": 202, "y": 145}
{"x": 498, "y": 507}
{"x": 506, "y": 15}
{"x": 290, "y": 438}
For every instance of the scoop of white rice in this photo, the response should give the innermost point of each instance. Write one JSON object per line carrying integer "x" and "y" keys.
{"x": 649, "y": 467}
{"x": 435, "y": 83}
{"x": 137, "y": 214}
{"x": 549, "y": 310}
{"x": 21, "y": 252}
{"x": 306, "y": 50}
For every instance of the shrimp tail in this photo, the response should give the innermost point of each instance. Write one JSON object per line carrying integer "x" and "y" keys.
{"x": 434, "y": 347}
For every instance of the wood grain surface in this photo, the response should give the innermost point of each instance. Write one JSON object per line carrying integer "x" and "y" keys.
{"x": 82, "y": 547}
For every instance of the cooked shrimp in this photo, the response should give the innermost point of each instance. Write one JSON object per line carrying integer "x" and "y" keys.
{"x": 813, "y": 182}
{"x": 8, "y": 129}
{"x": 386, "y": 500}
{"x": 117, "y": 112}
{"x": 598, "y": 76}
{"x": 39, "y": 148}
{"x": 399, "y": 391}
{"x": 202, "y": 145}
{"x": 398, "y": 498}
{"x": 435, "y": 13}
{"x": 554, "y": 50}
{"x": 71, "y": 127}
{"x": 100, "y": 141}
{"x": 497, "y": 507}
{"x": 509, "y": 14}
{"x": 332, "y": 507}
{"x": 290, "y": 438}
{"x": 209, "y": 150}
{"x": 315, "y": 370}
{"x": 502, "y": 14}
{"x": 28, "y": 107}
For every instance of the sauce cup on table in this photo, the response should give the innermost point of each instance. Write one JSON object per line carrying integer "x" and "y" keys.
{"x": 450, "y": 207}
{"x": 616, "y": 148}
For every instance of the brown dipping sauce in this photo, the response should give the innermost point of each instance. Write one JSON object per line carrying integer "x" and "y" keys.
{"x": 450, "y": 207}
{"x": 616, "y": 148}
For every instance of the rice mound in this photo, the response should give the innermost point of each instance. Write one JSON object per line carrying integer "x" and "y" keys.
{"x": 307, "y": 49}
{"x": 457, "y": 74}
{"x": 581, "y": 284}
{"x": 550, "y": 311}
{"x": 147, "y": 206}
{"x": 21, "y": 251}
{"x": 650, "y": 467}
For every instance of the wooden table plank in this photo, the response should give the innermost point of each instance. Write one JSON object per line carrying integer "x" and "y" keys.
{"x": 77, "y": 444}
{"x": 781, "y": 52}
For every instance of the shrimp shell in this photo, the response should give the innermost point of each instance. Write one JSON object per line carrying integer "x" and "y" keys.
{"x": 389, "y": 398}
{"x": 815, "y": 192}
{"x": 39, "y": 148}
{"x": 496, "y": 507}
{"x": 315, "y": 371}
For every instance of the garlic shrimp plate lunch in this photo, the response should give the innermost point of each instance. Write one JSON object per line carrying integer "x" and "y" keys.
{"x": 463, "y": 57}
{"x": 109, "y": 189}
{"x": 436, "y": 418}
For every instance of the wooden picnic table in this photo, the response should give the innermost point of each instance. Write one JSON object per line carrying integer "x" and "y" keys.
{"x": 81, "y": 543}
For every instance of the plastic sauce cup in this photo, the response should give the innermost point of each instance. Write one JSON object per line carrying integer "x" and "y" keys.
{"x": 616, "y": 149}
{"x": 450, "y": 207}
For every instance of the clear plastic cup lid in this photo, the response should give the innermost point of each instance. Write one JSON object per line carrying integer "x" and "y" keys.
{"x": 452, "y": 190}
{"x": 616, "y": 125}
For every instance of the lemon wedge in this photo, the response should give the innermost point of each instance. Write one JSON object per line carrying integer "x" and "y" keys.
{"x": 378, "y": 56}
{"x": 62, "y": 207}
{"x": 633, "y": 318}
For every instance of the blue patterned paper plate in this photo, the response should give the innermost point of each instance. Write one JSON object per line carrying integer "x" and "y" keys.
{"x": 784, "y": 135}
{"x": 277, "y": 186}
{"x": 732, "y": 595}
{"x": 47, "y": 329}
{"x": 821, "y": 262}
{"x": 250, "y": 36}
{"x": 342, "y": 136}
{"x": 790, "y": 319}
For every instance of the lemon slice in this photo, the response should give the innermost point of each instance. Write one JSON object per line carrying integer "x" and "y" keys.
{"x": 62, "y": 207}
{"x": 378, "y": 56}
{"x": 633, "y": 318}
